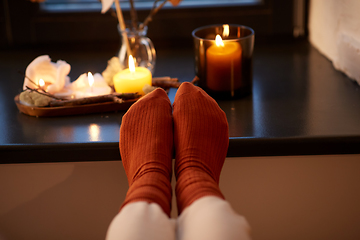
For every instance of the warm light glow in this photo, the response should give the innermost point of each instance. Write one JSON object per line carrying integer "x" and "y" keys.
{"x": 226, "y": 31}
{"x": 219, "y": 41}
{"x": 41, "y": 82}
{"x": 90, "y": 79}
{"x": 94, "y": 132}
{"x": 131, "y": 64}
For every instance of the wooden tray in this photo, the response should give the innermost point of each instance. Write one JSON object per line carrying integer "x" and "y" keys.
{"x": 73, "y": 110}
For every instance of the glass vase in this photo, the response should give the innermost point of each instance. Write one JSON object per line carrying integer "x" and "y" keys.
{"x": 142, "y": 48}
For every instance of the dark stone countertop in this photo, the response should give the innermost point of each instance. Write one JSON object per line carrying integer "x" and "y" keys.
{"x": 300, "y": 106}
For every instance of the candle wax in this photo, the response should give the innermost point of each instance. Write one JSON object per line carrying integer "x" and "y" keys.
{"x": 81, "y": 88}
{"x": 132, "y": 82}
{"x": 223, "y": 64}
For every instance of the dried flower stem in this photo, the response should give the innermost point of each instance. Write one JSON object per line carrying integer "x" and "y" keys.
{"x": 195, "y": 80}
{"x": 133, "y": 14}
{"x": 39, "y": 87}
{"x": 153, "y": 11}
{"x": 122, "y": 26}
{"x": 116, "y": 97}
{"x": 42, "y": 93}
{"x": 28, "y": 78}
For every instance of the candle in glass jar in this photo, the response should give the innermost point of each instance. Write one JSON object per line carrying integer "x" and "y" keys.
{"x": 132, "y": 79}
{"x": 223, "y": 64}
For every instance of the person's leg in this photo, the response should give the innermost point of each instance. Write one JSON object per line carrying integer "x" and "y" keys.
{"x": 139, "y": 221}
{"x": 211, "y": 218}
{"x": 146, "y": 148}
{"x": 201, "y": 141}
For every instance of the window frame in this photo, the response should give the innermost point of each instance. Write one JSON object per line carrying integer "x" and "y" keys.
{"x": 170, "y": 27}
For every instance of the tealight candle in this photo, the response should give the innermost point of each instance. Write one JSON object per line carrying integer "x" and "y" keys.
{"x": 223, "y": 64}
{"x": 132, "y": 79}
{"x": 89, "y": 85}
{"x": 88, "y": 90}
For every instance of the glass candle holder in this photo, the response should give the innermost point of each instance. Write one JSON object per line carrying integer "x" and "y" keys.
{"x": 141, "y": 46}
{"x": 224, "y": 66}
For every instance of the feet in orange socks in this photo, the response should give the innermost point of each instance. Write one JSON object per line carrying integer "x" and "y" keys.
{"x": 201, "y": 139}
{"x": 146, "y": 148}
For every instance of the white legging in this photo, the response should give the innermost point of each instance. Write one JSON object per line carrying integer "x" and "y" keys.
{"x": 209, "y": 218}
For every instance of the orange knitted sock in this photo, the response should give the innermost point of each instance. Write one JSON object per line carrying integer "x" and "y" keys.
{"x": 201, "y": 139}
{"x": 146, "y": 148}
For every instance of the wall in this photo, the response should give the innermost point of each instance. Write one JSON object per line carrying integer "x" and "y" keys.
{"x": 28, "y": 25}
{"x": 302, "y": 197}
{"x": 334, "y": 30}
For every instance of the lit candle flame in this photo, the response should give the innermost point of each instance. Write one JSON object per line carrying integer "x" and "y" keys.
{"x": 90, "y": 79}
{"x": 226, "y": 31}
{"x": 41, "y": 83}
{"x": 218, "y": 40}
{"x": 131, "y": 64}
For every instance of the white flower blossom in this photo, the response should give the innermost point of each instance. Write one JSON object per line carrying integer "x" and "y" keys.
{"x": 106, "y": 5}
